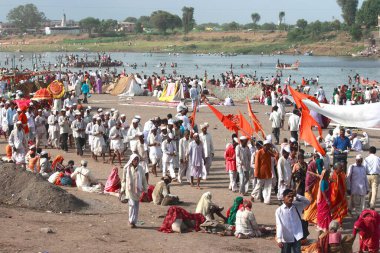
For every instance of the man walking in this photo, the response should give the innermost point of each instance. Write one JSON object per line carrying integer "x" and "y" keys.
{"x": 284, "y": 172}
{"x": 169, "y": 150}
{"x": 372, "y": 162}
{"x": 289, "y": 230}
{"x": 357, "y": 185}
{"x": 79, "y": 127}
{"x": 196, "y": 159}
{"x": 263, "y": 173}
{"x": 275, "y": 117}
{"x": 208, "y": 146}
{"x": 294, "y": 124}
{"x": 183, "y": 158}
{"x": 243, "y": 155}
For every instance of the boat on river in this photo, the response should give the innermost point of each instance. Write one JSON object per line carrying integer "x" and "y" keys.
{"x": 93, "y": 64}
{"x": 286, "y": 66}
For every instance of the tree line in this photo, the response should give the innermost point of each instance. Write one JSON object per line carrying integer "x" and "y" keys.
{"x": 356, "y": 21}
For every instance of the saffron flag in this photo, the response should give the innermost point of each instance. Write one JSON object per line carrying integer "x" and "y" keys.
{"x": 256, "y": 123}
{"x": 192, "y": 117}
{"x": 244, "y": 126}
{"x": 307, "y": 121}
{"x": 229, "y": 125}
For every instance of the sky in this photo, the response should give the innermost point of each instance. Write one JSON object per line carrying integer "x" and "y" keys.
{"x": 218, "y": 11}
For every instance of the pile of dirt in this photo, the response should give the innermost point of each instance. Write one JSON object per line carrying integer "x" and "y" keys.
{"x": 24, "y": 189}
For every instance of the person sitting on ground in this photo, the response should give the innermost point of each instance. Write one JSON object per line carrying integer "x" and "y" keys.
{"x": 231, "y": 213}
{"x": 161, "y": 193}
{"x": 207, "y": 208}
{"x": 45, "y": 165}
{"x": 369, "y": 234}
{"x": 85, "y": 180}
{"x": 57, "y": 164}
{"x": 8, "y": 154}
{"x": 246, "y": 225}
{"x": 229, "y": 102}
{"x": 113, "y": 183}
{"x": 365, "y": 141}
{"x": 356, "y": 143}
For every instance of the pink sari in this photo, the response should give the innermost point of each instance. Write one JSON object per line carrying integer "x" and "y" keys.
{"x": 323, "y": 209}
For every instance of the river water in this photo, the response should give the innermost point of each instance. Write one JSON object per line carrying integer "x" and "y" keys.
{"x": 332, "y": 71}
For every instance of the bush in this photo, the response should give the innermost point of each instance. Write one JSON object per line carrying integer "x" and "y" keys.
{"x": 356, "y": 32}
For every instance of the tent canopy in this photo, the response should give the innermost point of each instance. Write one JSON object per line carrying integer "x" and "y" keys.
{"x": 172, "y": 92}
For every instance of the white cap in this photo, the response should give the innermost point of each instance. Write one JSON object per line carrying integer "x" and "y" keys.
{"x": 112, "y": 109}
{"x": 286, "y": 149}
{"x": 359, "y": 156}
{"x": 266, "y": 142}
{"x": 39, "y": 110}
{"x": 242, "y": 138}
{"x": 107, "y": 113}
{"x": 162, "y": 127}
{"x": 170, "y": 135}
{"x": 31, "y": 103}
{"x": 236, "y": 139}
{"x": 100, "y": 110}
{"x": 77, "y": 113}
{"x": 44, "y": 152}
{"x": 195, "y": 134}
{"x": 19, "y": 110}
{"x": 63, "y": 110}
{"x": 19, "y": 123}
{"x": 293, "y": 139}
{"x": 98, "y": 118}
{"x": 89, "y": 107}
{"x": 7, "y": 102}
{"x": 135, "y": 121}
{"x": 137, "y": 117}
{"x": 170, "y": 122}
{"x": 123, "y": 115}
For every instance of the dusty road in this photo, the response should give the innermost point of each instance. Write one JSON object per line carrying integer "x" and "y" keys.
{"x": 103, "y": 227}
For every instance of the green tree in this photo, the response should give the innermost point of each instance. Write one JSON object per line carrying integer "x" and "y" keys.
{"x": 107, "y": 25}
{"x": 26, "y": 17}
{"x": 349, "y": 8}
{"x": 139, "y": 28}
{"x": 356, "y": 32}
{"x": 145, "y": 21}
{"x": 233, "y": 26}
{"x": 89, "y": 24}
{"x": 163, "y": 20}
{"x": 301, "y": 23}
{"x": 255, "y": 18}
{"x": 268, "y": 26}
{"x": 130, "y": 19}
{"x": 188, "y": 21}
{"x": 367, "y": 14}
{"x": 335, "y": 25}
{"x": 281, "y": 17}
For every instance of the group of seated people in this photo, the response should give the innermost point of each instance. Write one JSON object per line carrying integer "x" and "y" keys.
{"x": 358, "y": 143}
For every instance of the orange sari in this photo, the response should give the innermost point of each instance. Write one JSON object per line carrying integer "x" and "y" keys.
{"x": 310, "y": 212}
{"x": 338, "y": 196}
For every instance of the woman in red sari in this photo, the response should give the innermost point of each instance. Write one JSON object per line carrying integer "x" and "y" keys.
{"x": 368, "y": 226}
{"x": 338, "y": 187}
{"x": 323, "y": 202}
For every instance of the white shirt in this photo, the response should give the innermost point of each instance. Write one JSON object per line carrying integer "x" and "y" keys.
{"x": 294, "y": 122}
{"x": 357, "y": 180}
{"x": 275, "y": 117}
{"x": 288, "y": 222}
{"x": 168, "y": 149}
{"x": 284, "y": 170}
{"x": 357, "y": 144}
{"x": 208, "y": 146}
{"x": 372, "y": 162}
{"x": 243, "y": 157}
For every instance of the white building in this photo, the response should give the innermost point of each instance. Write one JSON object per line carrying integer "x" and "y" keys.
{"x": 62, "y": 28}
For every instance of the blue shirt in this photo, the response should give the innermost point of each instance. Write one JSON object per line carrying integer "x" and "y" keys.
{"x": 342, "y": 144}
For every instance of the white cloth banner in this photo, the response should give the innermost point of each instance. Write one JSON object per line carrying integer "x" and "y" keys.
{"x": 360, "y": 116}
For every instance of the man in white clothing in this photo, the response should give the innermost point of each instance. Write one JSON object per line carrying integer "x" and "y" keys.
{"x": 372, "y": 163}
{"x": 40, "y": 129}
{"x": 357, "y": 185}
{"x": 79, "y": 127}
{"x": 132, "y": 133}
{"x": 85, "y": 180}
{"x": 169, "y": 151}
{"x": 294, "y": 124}
{"x": 356, "y": 144}
{"x": 289, "y": 230}
{"x": 116, "y": 143}
{"x": 243, "y": 156}
{"x": 53, "y": 129}
{"x": 275, "y": 117}
{"x": 208, "y": 146}
{"x": 284, "y": 172}
{"x": 183, "y": 155}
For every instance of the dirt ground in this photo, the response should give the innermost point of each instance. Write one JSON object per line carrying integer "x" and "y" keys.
{"x": 103, "y": 226}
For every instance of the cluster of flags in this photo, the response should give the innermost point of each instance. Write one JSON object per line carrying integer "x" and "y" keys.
{"x": 238, "y": 123}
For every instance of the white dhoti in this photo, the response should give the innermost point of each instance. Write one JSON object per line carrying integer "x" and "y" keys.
{"x": 233, "y": 185}
{"x": 18, "y": 156}
{"x": 182, "y": 170}
{"x": 264, "y": 185}
{"x": 281, "y": 188}
{"x": 168, "y": 166}
{"x": 208, "y": 161}
{"x": 98, "y": 145}
{"x": 144, "y": 165}
{"x": 53, "y": 137}
{"x": 133, "y": 211}
{"x": 117, "y": 146}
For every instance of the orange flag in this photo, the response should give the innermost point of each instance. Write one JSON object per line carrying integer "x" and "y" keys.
{"x": 192, "y": 117}
{"x": 244, "y": 126}
{"x": 229, "y": 125}
{"x": 307, "y": 121}
{"x": 256, "y": 123}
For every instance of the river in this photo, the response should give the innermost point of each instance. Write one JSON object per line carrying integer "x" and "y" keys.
{"x": 332, "y": 71}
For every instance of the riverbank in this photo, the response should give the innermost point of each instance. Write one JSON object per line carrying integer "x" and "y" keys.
{"x": 337, "y": 44}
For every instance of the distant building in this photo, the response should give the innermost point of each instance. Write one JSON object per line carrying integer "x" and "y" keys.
{"x": 8, "y": 28}
{"x": 127, "y": 27}
{"x": 62, "y": 27}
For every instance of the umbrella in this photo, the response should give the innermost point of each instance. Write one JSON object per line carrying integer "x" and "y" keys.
{"x": 42, "y": 94}
{"x": 57, "y": 89}
{"x": 23, "y": 103}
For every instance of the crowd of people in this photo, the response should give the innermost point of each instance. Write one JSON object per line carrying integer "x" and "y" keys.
{"x": 315, "y": 191}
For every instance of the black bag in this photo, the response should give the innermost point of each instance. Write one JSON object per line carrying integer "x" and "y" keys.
{"x": 305, "y": 226}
